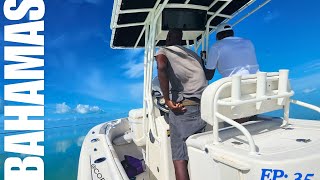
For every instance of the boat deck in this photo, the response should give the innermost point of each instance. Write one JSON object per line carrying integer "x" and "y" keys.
{"x": 298, "y": 142}
{"x": 294, "y": 139}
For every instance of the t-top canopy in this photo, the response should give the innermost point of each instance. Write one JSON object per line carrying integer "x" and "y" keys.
{"x": 129, "y": 18}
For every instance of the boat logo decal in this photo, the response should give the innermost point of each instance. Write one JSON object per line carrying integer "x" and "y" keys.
{"x": 96, "y": 171}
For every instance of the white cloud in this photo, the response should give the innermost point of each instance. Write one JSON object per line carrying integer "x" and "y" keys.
{"x": 135, "y": 66}
{"x": 62, "y": 108}
{"x": 307, "y": 84}
{"x": 80, "y": 140}
{"x": 134, "y": 69}
{"x": 85, "y": 109}
{"x": 62, "y": 146}
{"x": 96, "y": 86}
{"x": 56, "y": 42}
{"x": 80, "y": 108}
{"x": 271, "y": 15}
{"x": 309, "y": 67}
{"x": 313, "y": 66}
{"x": 308, "y": 90}
{"x": 68, "y": 39}
{"x": 95, "y": 109}
{"x": 91, "y": 79}
{"x": 136, "y": 91}
{"x": 133, "y": 53}
{"x": 305, "y": 77}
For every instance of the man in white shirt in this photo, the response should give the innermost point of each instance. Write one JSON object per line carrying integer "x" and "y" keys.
{"x": 231, "y": 55}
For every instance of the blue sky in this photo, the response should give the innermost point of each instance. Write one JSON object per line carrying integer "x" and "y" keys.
{"x": 81, "y": 68}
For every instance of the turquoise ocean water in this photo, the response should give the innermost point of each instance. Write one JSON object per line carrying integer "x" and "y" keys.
{"x": 63, "y": 139}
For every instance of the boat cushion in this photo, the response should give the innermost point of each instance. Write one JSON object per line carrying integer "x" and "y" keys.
{"x": 136, "y": 113}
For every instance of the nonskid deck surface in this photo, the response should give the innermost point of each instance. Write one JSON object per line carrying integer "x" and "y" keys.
{"x": 300, "y": 138}
{"x": 292, "y": 139}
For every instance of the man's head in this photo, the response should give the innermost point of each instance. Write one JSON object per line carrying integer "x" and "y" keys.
{"x": 223, "y": 31}
{"x": 174, "y": 37}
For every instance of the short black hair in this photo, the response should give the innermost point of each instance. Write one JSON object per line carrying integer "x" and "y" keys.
{"x": 224, "y": 34}
{"x": 174, "y": 37}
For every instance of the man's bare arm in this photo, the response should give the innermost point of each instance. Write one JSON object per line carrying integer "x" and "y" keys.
{"x": 208, "y": 72}
{"x": 162, "y": 64}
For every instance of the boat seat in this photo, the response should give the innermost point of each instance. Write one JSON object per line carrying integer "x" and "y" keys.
{"x": 244, "y": 96}
{"x": 238, "y": 97}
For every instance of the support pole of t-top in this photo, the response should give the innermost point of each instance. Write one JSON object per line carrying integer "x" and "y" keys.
{"x": 207, "y": 33}
{"x": 147, "y": 54}
{"x": 155, "y": 14}
{"x": 144, "y": 80}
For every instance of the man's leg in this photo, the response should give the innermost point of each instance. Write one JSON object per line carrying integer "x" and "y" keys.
{"x": 182, "y": 126}
{"x": 181, "y": 169}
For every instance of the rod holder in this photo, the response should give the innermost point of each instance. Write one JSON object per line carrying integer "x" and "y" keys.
{"x": 236, "y": 88}
{"x": 283, "y": 84}
{"x": 261, "y": 87}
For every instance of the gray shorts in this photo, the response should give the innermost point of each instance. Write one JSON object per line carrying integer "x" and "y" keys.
{"x": 183, "y": 125}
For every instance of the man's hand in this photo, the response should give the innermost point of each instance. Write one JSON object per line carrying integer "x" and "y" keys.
{"x": 175, "y": 107}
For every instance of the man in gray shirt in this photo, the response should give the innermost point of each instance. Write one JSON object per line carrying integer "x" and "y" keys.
{"x": 181, "y": 68}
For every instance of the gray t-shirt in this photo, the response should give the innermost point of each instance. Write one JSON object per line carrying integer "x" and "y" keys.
{"x": 186, "y": 75}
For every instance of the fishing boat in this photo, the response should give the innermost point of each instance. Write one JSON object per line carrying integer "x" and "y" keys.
{"x": 138, "y": 146}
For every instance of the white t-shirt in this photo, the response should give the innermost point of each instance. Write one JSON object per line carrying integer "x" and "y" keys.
{"x": 233, "y": 55}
